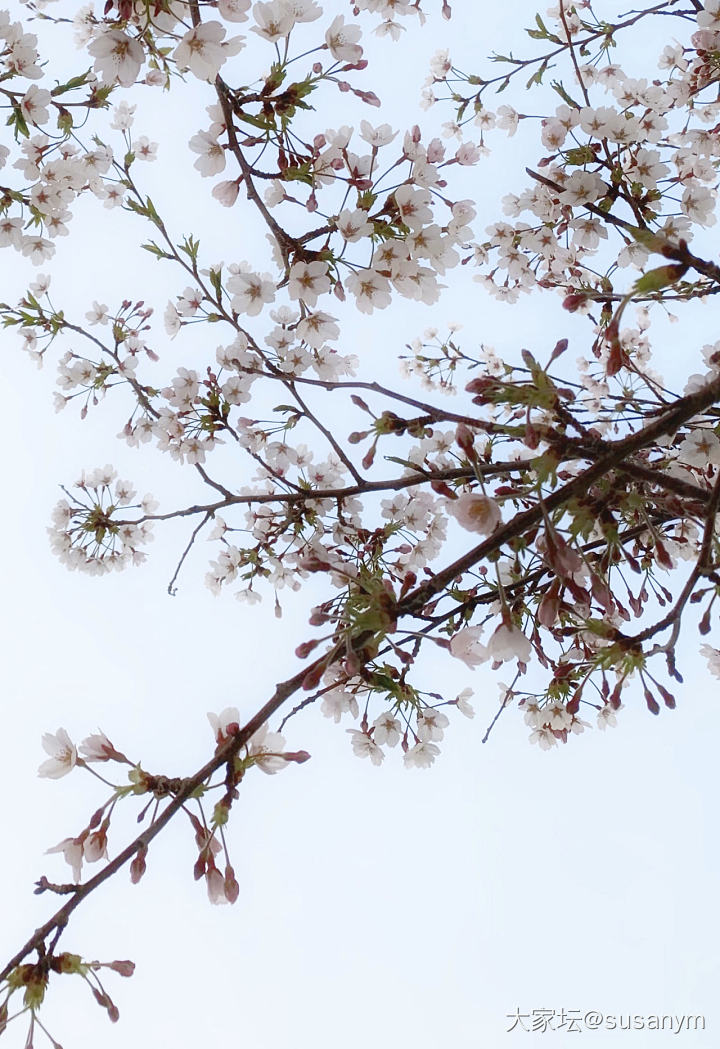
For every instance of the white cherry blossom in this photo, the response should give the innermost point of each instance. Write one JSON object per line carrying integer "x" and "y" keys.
{"x": 342, "y": 41}
{"x": 203, "y": 50}
{"x": 118, "y": 57}
{"x": 63, "y": 755}
{"x": 508, "y": 642}
{"x": 421, "y": 756}
{"x": 475, "y": 512}
{"x": 365, "y": 747}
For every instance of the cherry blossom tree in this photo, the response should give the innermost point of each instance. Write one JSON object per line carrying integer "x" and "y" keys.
{"x": 549, "y": 518}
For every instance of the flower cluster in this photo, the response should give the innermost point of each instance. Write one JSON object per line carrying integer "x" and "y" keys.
{"x": 263, "y": 749}
{"x": 88, "y": 535}
{"x": 645, "y": 156}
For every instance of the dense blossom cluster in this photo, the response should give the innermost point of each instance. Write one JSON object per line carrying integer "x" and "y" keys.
{"x": 546, "y": 516}
{"x": 84, "y": 534}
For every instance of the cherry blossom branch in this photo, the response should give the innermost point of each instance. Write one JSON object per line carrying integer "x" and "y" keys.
{"x": 223, "y": 757}
{"x": 703, "y": 567}
{"x": 338, "y": 449}
{"x": 284, "y": 241}
{"x": 339, "y": 494}
{"x": 196, "y": 531}
{"x": 607, "y": 30}
{"x": 618, "y": 451}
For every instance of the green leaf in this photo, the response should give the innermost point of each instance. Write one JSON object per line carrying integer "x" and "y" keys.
{"x": 539, "y": 73}
{"x": 406, "y": 463}
{"x": 302, "y": 173}
{"x": 158, "y": 252}
{"x": 545, "y": 468}
{"x": 190, "y": 247}
{"x": 152, "y": 213}
{"x": 568, "y": 99}
{"x": 662, "y": 277}
{"x": 70, "y": 85}
{"x": 580, "y": 155}
{"x": 274, "y": 80}
{"x": 133, "y": 205}
{"x": 216, "y": 281}
{"x": 19, "y": 121}
{"x": 652, "y": 241}
{"x": 64, "y": 120}
{"x": 265, "y": 123}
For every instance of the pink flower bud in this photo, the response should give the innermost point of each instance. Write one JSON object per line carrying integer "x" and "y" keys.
{"x": 123, "y": 968}
{"x": 138, "y": 865}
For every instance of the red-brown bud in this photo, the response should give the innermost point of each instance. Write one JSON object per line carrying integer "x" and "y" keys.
{"x": 652, "y": 704}
{"x": 138, "y": 865}
{"x": 313, "y": 676}
{"x": 304, "y": 650}
{"x": 123, "y": 968}
{"x": 232, "y": 889}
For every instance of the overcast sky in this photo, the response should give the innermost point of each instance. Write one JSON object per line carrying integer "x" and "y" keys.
{"x": 378, "y": 906}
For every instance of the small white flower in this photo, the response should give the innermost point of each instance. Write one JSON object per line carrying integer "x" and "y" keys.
{"x": 431, "y": 724}
{"x": 556, "y": 715}
{"x": 63, "y": 755}
{"x": 700, "y": 448}
{"x": 544, "y": 738}
{"x": 440, "y": 64}
{"x": 308, "y": 280}
{"x": 476, "y": 513}
{"x": 34, "y": 105}
{"x": 466, "y": 645}
{"x": 317, "y": 329}
{"x": 353, "y": 225}
{"x": 117, "y": 57}
{"x": 713, "y": 658}
{"x": 509, "y": 643}
{"x": 98, "y": 314}
{"x": 379, "y": 136}
{"x": 337, "y": 703}
{"x": 342, "y": 41}
{"x": 507, "y": 119}
{"x": 387, "y": 729}
{"x": 226, "y": 192}
{"x": 203, "y": 50}
{"x": 97, "y": 747}
{"x": 267, "y": 749}
{"x": 225, "y": 724}
{"x": 211, "y": 160}
{"x": 72, "y": 849}
{"x": 606, "y": 717}
{"x": 37, "y": 249}
{"x": 173, "y": 320}
{"x": 463, "y": 703}
{"x": 122, "y": 118}
{"x": 421, "y": 756}
{"x": 234, "y": 10}
{"x": 251, "y": 292}
{"x": 274, "y": 20}
{"x": 364, "y": 747}
{"x": 144, "y": 149}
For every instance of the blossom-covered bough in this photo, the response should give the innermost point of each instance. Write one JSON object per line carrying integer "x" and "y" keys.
{"x": 550, "y": 515}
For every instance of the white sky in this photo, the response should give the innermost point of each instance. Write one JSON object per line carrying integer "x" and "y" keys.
{"x": 377, "y": 906}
